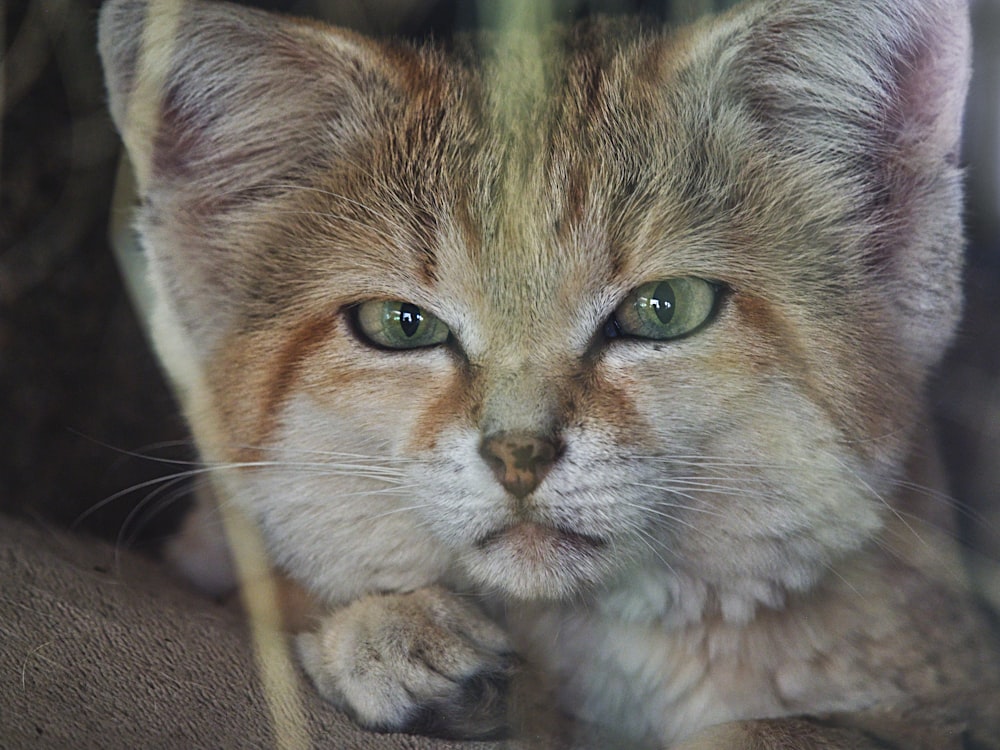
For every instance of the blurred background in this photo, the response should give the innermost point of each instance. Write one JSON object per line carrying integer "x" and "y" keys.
{"x": 87, "y": 427}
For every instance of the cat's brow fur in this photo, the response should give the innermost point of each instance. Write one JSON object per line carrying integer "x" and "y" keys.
{"x": 763, "y": 492}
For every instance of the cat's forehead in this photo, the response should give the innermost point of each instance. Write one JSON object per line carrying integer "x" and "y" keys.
{"x": 523, "y": 203}
{"x": 531, "y": 211}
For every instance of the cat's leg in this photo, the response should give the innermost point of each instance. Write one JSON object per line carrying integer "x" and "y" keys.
{"x": 426, "y": 661}
{"x": 806, "y": 733}
{"x": 779, "y": 734}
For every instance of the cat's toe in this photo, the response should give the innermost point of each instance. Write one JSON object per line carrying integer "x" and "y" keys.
{"x": 424, "y": 661}
{"x": 475, "y": 709}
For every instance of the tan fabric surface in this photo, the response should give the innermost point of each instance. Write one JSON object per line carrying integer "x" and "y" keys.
{"x": 99, "y": 651}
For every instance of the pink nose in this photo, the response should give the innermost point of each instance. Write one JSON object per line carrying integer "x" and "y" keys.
{"x": 520, "y": 461}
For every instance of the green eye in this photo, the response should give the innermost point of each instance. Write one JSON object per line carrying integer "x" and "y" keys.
{"x": 665, "y": 309}
{"x": 399, "y": 325}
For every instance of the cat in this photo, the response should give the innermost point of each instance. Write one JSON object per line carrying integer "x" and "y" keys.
{"x": 599, "y": 351}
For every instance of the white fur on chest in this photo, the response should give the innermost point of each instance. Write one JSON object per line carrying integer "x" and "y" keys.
{"x": 645, "y": 661}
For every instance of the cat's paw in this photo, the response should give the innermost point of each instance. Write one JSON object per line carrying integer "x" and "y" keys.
{"x": 425, "y": 662}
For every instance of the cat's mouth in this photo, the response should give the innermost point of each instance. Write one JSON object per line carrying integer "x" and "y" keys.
{"x": 539, "y": 540}
{"x": 531, "y": 560}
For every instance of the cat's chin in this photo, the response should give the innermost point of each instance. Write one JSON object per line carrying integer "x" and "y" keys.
{"x": 535, "y": 561}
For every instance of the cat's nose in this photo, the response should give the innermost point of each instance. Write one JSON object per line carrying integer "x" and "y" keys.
{"x": 520, "y": 461}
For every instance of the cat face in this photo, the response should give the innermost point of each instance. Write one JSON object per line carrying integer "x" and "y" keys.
{"x": 652, "y": 300}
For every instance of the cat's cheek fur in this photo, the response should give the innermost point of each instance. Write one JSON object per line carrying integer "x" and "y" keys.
{"x": 328, "y": 484}
{"x": 788, "y": 518}
{"x": 343, "y": 526}
{"x": 747, "y": 481}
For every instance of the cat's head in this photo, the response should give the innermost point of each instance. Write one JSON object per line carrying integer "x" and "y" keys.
{"x": 661, "y": 298}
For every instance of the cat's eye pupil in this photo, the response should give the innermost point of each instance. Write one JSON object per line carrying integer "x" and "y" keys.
{"x": 394, "y": 324}
{"x": 409, "y": 318}
{"x": 663, "y": 302}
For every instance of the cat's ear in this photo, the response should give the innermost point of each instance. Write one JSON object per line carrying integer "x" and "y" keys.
{"x": 869, "y": 94}
{"x": 220, "y": 107}
{"x": 897, "y": 66}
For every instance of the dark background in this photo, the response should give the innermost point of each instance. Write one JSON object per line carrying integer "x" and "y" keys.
{"x": 85, "y": 419}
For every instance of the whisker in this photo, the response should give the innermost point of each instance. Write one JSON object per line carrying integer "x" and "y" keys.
{"x": 705, "y": 460}
{"x": 652, "y": 543}
{"x": 134, "y": 488}
{"x": 358, "y": 471}
{"x": 964, "y": 509}
{"x": 682, "y": 506}
{"x": 126, "y": 540}
{"x": 142, "y": 454}
{"x": 742, "y": 492}
{"x": 833, "y": 569}
{"x": 874, "y": 493}
{"x": 665, "y": 515}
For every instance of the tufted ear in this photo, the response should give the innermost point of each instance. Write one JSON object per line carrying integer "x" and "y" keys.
{"x": 868, "y": 96}
{"x": 898, "y": 67}
{"x": 220, "y": 107}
